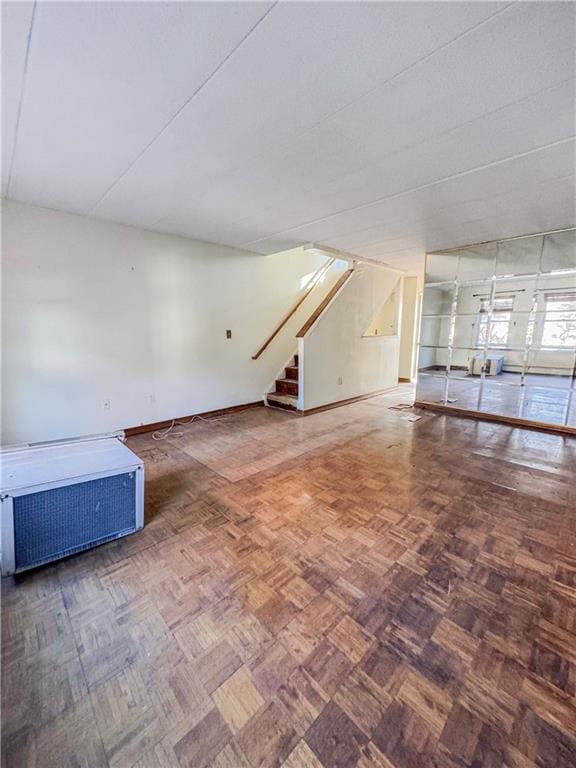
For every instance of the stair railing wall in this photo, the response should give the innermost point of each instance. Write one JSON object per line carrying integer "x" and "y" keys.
{"x": 313, "y": 282}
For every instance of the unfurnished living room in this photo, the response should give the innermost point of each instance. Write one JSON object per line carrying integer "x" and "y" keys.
{"x": 288, "y": 459}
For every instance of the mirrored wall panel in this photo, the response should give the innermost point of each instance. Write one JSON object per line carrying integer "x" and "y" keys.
{"x": 498, "y": 329}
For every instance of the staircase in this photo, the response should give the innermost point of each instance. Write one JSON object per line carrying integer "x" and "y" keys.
{"x": 286, "y": 393}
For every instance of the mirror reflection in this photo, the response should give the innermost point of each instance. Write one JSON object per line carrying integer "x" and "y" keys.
{"x": 498, "y": 329}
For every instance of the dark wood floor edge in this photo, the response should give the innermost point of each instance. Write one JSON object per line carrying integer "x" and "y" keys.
{"x": 513, "y": 421}
{"x": 131, "y": 431}
{"x": 348, "y": 401}
{"x": 403, "y": 380}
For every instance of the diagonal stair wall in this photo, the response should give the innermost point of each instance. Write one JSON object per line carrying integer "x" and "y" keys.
{"x": 337, "y": 362}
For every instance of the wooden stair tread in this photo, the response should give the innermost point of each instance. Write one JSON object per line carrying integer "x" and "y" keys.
{"x": 291, "y": 372}
{"x": 281, "y": 397}
{"x": 286, "y": 388}
{"x": 286, "y": 402}
{"x": 286, "y": 393}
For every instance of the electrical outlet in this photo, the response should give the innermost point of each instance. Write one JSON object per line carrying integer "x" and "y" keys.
{"x": 339, "y": 379}
{"x": 228, "y": 334}
{"x": 106, "y": 404}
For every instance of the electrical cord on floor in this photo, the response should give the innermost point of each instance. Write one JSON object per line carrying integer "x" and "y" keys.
{"x": 164, "y": 433}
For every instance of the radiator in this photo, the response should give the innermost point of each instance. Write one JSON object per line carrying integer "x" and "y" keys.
{"x": 60, "y": 499}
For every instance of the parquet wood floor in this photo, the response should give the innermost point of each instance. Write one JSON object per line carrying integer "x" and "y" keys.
{"x": 346, "y": 589}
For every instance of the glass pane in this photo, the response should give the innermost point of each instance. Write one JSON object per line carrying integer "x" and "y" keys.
{"x": 502, "y": 398}
{"x": 494, "y": 331}
{"x": 572, "y": 412}
{"x": 489, "y": 363}
{"x": 463, "y": 393}
{"x": 560, "y": 282}
{"x": 519, "y": 289}
{"x": 556, "y": 322}
{"x": 433, "y": 359}
{"x": 520, "y": 330}
{"x": 550, "y": 368}
{"x": 460, "y": 363}
{"x": 512, "y": 362}
{"x": 441, "y": 267}
{"x": 559, "y": 252}
{"x": 438, "y": 300}
{"x": 467, "y": 332}
{"x": 520, "y": 294}
{"x": 477, "y": 263}
{"x": 519, "y": 257}
{"x": 430, "y": 388}
{"x": 435, "y": 331}
{"x": 555, "y": 317}
{"x": 558, "y": 331}
{"x": 545, "y": 404}
{"x": 472, "y": 297}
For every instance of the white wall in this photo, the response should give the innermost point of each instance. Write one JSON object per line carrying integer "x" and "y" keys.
{"x": 408, "y": 326}
{"x": 94, "y": 311}
{"x": 335, "y": 346}
{"x": 385, "y": 321}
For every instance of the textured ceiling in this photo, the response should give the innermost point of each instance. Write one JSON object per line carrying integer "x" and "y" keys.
{"x": 383, "y": 129}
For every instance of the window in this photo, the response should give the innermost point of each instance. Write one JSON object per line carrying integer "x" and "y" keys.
{"x": 497, "y": 336}
{"x": 559, "y": 326}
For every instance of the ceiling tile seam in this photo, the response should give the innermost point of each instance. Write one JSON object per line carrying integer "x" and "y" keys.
{"x": 418, "y": 235}
{"x": 423, "y": 222}
{"x": 444, "y": 209}
{"x": 440, "y": 134}
{"x": 182, "y": 108}
{"x": 421, "y": 226}
{"x": 434, "y": 183}
{"x": 464, "y": 224}
{"x": 21, "y": 98}
{"x": 413, "y": 65}
{"x": 253, "y": 158}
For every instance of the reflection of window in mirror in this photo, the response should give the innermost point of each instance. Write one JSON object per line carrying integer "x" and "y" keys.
{"x": 559, "y": 325}
{"x": 496, "y": 332}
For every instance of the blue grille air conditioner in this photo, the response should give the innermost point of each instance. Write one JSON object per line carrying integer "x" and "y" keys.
{"x": 61, "y": 499}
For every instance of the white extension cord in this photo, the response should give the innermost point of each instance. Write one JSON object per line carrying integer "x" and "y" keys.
{"x": 164, "y": 433}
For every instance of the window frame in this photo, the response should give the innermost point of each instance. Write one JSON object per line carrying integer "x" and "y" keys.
{"x": 569, "y": 296}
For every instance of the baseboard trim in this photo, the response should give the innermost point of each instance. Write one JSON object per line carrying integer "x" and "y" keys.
{"x": 348, "y": 401}
{"x": 513, "y": 421}
{"x": 131, "y": 431}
